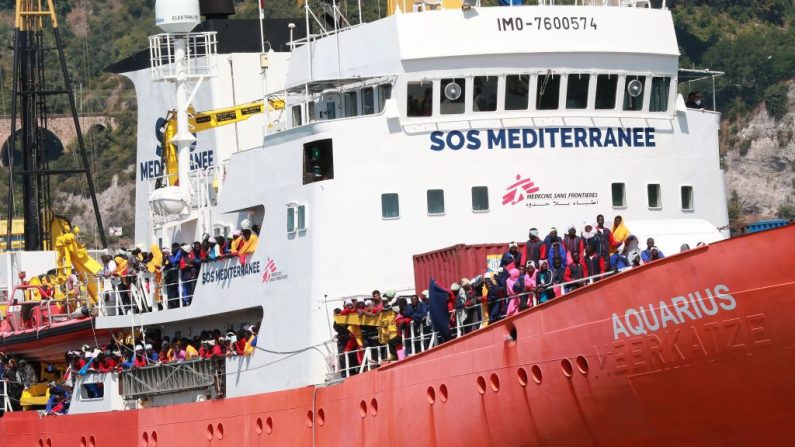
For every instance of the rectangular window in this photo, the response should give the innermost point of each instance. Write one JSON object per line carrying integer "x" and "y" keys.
{"x": 517, "y": 92}
{"x": 435, "y": 201}
{"x": 311, "y": 112}
{"x": 318, "y": 161}
{"x": 368, "y": 101}
{"x": 480, "y": 198}
{"x": 548, "y": 92}
{"x": 606, "y": 87}
{"x": 484, "y": 96}
{"x": 660, "y": 87}
{"x": 351, "y": 104}
{"x": 633, "y": 92}
{"x": 687, "y": 198}
{"x": 384, "y": 93}
{"x": 419, "y": 99}
{"x": 291, "y": 219}
{"x": 619, "y": 195}
{"x": 296, "y": 110}
{"x": 301, "y": 217}
{"x": 653, "y": 190}
{"x": 577, "y": 91}
{"x": 390, "y": 208}
{"x": 453, "y": 96}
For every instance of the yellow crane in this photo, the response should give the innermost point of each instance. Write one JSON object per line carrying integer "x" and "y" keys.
{"x": 209, "y": 119}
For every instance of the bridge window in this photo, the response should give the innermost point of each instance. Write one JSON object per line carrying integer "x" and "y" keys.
{"x": 606, "y": 87}
{"x": 517, "y": 92}
{"x": 618, "y": 191}
{"x": 548, "y": 92}
{"x": 351, "y": 104}
{"x": 480, "y": 198}
{"x": 660, "y": 88}
{"x": 633, "y": 92}
{"x": 297, "y": 116}
{"x": 654, "y": 195}
{"x": 484, "y": 95}
{"x": 384, "y": 93}
{"x": 435, "y": 201}
{"x": 453, "y": 96}
{"x": 368, "y": 101}
{"x": 390, "y": 206}
{"x": 419, "y": 99}
{"x": 296, "y": 218}
{"x": 687, "y": 198}
{"x": 577, "y": 91}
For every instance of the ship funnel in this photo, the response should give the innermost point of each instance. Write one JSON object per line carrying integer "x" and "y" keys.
{"x": 177, "y": 16}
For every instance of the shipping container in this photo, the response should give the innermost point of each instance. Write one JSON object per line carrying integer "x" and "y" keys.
{"x": 763, "y": 225}
{"x": 449, "y": 265}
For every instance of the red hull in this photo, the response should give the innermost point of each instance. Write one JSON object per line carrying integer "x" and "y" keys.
{"x": 715, "y": 380}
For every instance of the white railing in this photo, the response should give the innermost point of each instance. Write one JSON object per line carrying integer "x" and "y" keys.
{"x": 199, "y": 54}
{"x": 7, "y": 407}
{"x": 421, "y": 337}
{"x": 143, "y": 294}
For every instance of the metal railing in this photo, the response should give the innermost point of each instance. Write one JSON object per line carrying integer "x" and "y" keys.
{"x": 141, "y": 293}
{"x": 421, "y": 337}
{"x": 173, "y": 377}
{"x": 7, "y": 407}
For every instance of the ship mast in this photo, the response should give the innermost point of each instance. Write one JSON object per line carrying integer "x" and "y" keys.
{"x": 31, "y": 95}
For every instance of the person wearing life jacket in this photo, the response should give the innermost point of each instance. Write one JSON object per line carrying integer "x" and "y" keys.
{"x": 620, "y": 233}
{"x": 139, "y": 360}
{"x": 573, "y": 243}
{"x": 574, "y": 271}
{"x": 589, "y": 237}
{"x": 534, "y": 249}
{"x": 250, "y": 241}
{"x": 604, "y": 238}
{"x": 594, "y": 263}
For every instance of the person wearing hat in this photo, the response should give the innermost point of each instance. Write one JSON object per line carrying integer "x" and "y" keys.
{"x": 618, "y": 260}
{"x": 237, "y": 242}
{"x": 190, "y": 272}
{"x": 511, "y": 257}
{"x": 139, "y": 360}
{"x": 544, "y": 279}
{"x": 620, "y": 233}
{"x": 171, "y": 269}
{"x": 151, "y": 354}
{"x": 646, "y": 255}
{"x": 58, "y": 402}
{"x": 534, "y": 249}
{"x": 389, "y": 297}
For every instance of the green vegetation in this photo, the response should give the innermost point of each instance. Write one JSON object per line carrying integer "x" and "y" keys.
{"x": 750, "y": 40}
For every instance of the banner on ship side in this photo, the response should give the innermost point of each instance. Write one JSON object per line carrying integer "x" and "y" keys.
{"x": 544, "y": 138}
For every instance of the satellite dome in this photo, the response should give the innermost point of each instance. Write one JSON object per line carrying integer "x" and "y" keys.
{"x": 177, "y": 16}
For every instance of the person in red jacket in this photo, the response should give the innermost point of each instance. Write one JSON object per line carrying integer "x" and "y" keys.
{"x": 140, "y": 359}
{"x": 573, "y": 244}
{"x": 594, "y": 264}
{"x": 574, "y": 271}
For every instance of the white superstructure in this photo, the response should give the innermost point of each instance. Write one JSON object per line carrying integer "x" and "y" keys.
{"x": 415, "y": 132}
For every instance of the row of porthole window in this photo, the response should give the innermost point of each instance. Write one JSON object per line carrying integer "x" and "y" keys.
{"x": 390, "y": 202}
{"x": 653, "y": 196}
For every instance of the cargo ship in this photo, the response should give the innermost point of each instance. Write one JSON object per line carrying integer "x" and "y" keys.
{"x": 356, "y": 151}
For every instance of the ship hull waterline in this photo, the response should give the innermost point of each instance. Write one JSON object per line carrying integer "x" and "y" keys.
{"x": 589, "y": 368}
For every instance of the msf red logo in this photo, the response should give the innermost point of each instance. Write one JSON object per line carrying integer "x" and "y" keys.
{"x": 270, "y": 269}
{"x": 518, "y": 191}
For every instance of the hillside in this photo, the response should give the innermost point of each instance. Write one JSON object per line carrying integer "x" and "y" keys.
{"x": 750, "y": 40}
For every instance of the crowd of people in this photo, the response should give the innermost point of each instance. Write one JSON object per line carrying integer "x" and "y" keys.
{"x": 121, "y": 354}
{"x": 175, "y": 270}
{"x": 529, "y": 274}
